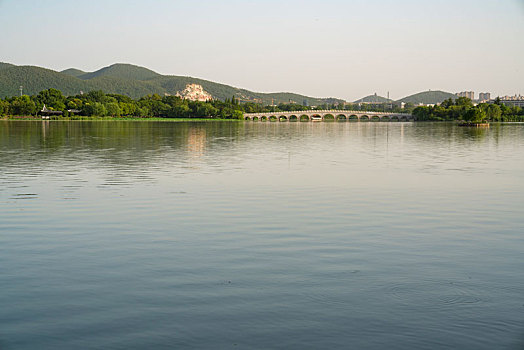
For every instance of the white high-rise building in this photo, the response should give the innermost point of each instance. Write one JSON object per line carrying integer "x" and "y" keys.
{"x": 484, "y": 96}
{"x": 468, "y": 94}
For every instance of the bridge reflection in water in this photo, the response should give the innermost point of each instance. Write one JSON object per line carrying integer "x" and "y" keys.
{"x": 332, "y": 115}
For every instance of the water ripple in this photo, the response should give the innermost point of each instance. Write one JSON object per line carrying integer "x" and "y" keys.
{"x": 433, "y": 294}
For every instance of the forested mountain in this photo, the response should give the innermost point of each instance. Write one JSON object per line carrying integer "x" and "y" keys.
{"x": 35, "y": 79}
{"x": 74, "y": 72}
{"x": 130, "y": 80}
{"x": 373, "y": 99}
{"x": 122, "y": 71}
{"x": 5, "y": 65}
{"x": 428, "y": 97}
{"x": 135, "y": 82}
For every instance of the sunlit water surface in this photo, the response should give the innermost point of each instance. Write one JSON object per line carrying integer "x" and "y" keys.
{"x": 151, "y": 235}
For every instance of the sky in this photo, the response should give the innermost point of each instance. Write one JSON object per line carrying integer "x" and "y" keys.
{"x": 330, "y": 48}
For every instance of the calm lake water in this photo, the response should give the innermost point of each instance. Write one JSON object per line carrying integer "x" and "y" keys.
{"x": 226, "y": 235}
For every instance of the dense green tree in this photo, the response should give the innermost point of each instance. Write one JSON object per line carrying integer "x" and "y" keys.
{"x": 128, "y": 108}
{"x": 52, "y": 98}
{"x": 447, "y": 103}
{"x": 74, "y": 103}
{"x": 4, "y": 107}
{"x": 172, "y": 100}
{"x": 516, "y": 110}
{"x": 492, "y": 111}
{"x": 237, "y": 115}
{"x": 22, "y": 105}
{"x": 112, "y": 109}
{"x": 291, "y": 107}
{"x": 474, "y": 115}
{"x": 463, "y": 101}
{"x": 94, "y": 109}
{"x": 422, "y": 113}
{"x": 96, "y": 96}
{"x": 179, "y": 111}
{"x": 144, "y": 111}
{"x": 206, "y": 110}
{"x": 121, "y": 98}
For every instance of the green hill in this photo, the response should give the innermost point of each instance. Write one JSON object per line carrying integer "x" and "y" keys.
{"x": 428, "y": 97}
{"x": 5, "y": 65}
{"x": 35, "y": 79}
{"x": 122, "y": 71}
{"x": 373, "y": 99}
{"x": 129, "y": 80}
{"x": 74, "y": 72}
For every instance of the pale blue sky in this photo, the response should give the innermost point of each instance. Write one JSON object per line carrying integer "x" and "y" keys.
{"x": 344, "y": 49}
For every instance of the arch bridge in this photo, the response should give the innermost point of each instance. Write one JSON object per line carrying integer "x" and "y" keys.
{"x": 331, "y": 115}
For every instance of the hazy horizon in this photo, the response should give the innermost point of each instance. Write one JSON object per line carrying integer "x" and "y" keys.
{"x": 336, "y": 49}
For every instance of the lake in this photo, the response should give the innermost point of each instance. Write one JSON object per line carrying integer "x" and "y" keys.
{"x": 261, "y": 235}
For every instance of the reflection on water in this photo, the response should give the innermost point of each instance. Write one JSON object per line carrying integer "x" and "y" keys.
{"x": 196, "y": 142}
{"x": 260, "y": 235}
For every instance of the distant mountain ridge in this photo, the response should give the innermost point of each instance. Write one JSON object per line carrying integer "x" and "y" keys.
{"x": 130, "y": 80}
{"x": 74, "y": 72}
{"x": 428, "y": 97}
{"x": 425, "y": 97}
{"x": 136, "y": 81}
{"x": 122, "y": 71}
{"x": 373, "y": 99}
{"x": 6, "y": 65}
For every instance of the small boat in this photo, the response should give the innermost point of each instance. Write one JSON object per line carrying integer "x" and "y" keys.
{"x": 316, "y": 118}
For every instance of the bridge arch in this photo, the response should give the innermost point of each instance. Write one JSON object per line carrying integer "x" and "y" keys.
{"x": 293, "y": 118}
{"x": 303, "y": 117}
{"x": 282, "y": 118}
{"x": 341, "y": 117}
{"x": 328, "y": 117}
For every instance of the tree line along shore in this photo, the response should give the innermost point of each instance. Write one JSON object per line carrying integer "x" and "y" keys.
{"x": 99, "y": 104}
{"x": 463, "y": 109}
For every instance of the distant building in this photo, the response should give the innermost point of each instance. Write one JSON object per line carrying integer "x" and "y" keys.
{"x": 468, "y": 94}
{"x": 512, "y": 101}
{"x": 46, "y": 113}
{"x": 484, "y": 96}
{"x": 305, "y": 103}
